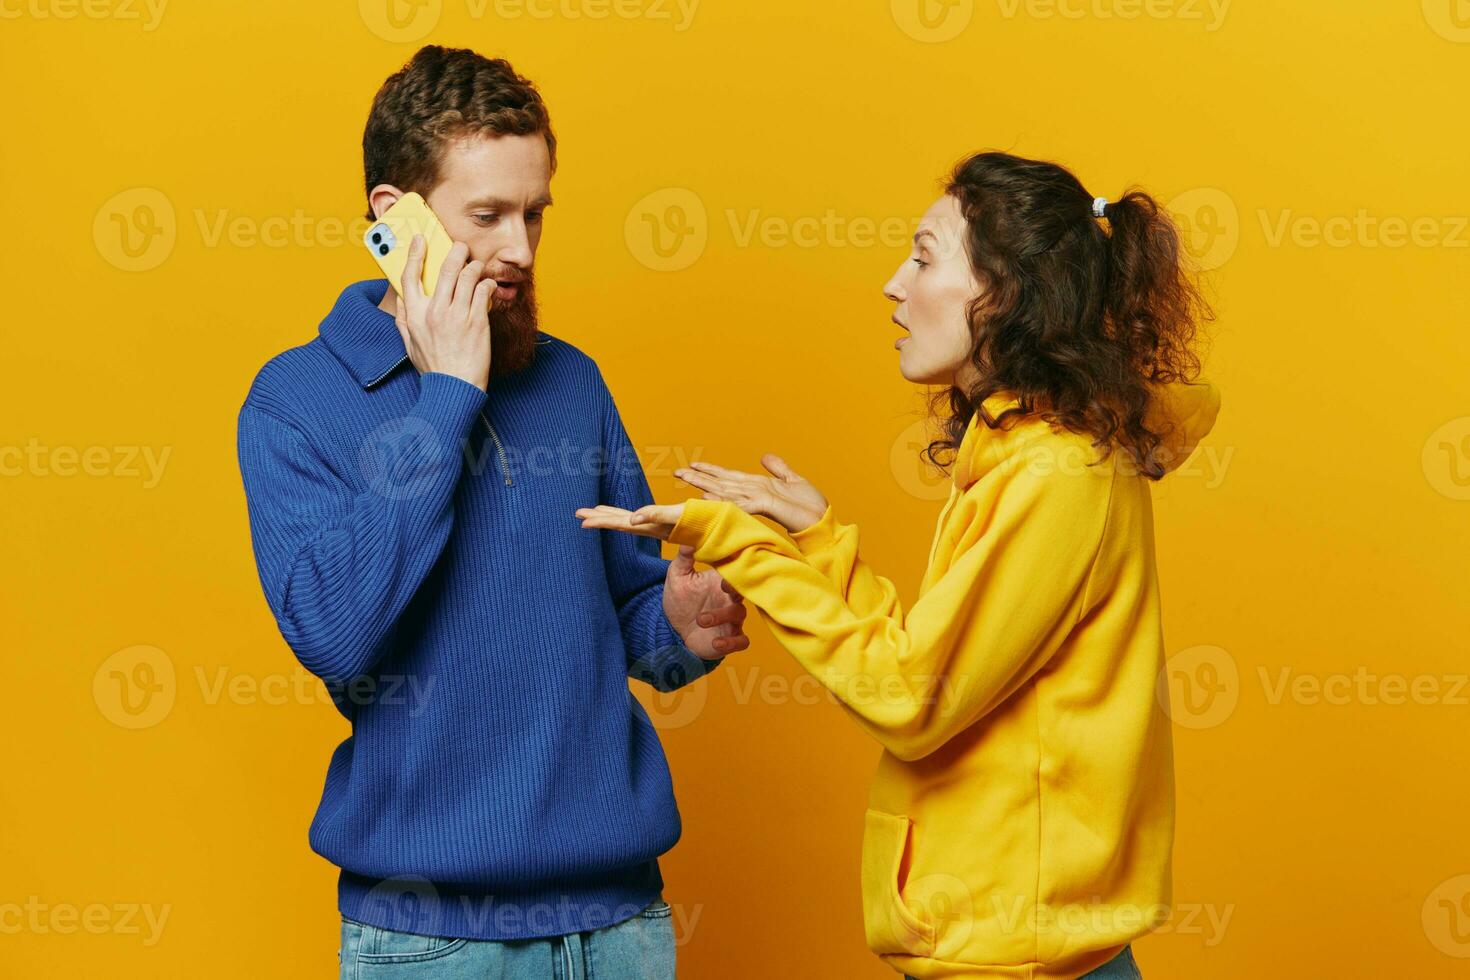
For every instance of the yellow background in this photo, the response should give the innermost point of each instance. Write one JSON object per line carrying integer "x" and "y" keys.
{"x": 1324, "y": 541}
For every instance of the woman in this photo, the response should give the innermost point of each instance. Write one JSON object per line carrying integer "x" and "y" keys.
{"x": 1021, "y": 818}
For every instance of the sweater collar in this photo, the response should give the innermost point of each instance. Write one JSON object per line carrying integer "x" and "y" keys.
{"x": 363, "y": 336}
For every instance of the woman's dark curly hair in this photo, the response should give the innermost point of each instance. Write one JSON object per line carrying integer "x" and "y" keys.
{"x": 1076, "y": 319}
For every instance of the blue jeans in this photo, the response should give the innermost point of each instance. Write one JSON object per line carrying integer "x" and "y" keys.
{"x": 640, "y": 948}
{"x": 1120, "y": 967}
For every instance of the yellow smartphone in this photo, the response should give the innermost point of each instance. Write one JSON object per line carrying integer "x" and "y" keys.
{"x": 388, "y": 239}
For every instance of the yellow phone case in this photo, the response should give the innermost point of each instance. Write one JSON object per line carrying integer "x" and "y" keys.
{"x": 388, "y": 239}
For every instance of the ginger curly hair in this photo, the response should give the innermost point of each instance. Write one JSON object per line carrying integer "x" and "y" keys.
{"x": 444, "y": 94}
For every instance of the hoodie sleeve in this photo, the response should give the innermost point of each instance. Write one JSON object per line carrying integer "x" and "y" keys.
{"x": 1010, "y": 597}
{"x": 832, "y": 549}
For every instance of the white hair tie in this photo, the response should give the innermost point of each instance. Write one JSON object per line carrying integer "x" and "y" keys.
{"x": 1099, "y": 207}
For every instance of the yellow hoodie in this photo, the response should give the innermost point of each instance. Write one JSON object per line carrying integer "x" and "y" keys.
{"x": 1021, "y": 819}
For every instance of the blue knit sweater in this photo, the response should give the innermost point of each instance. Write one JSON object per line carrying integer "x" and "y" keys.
{"x": 416, "y": 542}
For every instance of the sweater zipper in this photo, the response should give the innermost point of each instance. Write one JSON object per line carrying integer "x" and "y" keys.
{"x": 499, "y": 449}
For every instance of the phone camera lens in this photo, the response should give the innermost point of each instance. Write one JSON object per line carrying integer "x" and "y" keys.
{"x": 377, "y": 237}
{"x": 383, "y": 250}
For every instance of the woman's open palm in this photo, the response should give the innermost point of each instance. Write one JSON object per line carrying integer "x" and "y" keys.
{"x": 784, "y": 496}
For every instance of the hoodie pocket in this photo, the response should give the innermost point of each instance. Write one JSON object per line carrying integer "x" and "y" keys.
{"x": 891, "y": 926}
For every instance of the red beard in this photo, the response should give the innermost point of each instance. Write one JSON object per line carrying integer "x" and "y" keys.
{"x": 513, "y": 329}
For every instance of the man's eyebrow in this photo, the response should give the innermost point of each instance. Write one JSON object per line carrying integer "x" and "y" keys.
{"x": 501, "y": 204}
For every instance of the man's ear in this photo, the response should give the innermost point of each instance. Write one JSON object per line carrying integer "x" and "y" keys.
{"x": 383, "y": 197}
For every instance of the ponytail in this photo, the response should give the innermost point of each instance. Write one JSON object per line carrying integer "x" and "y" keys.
{"x": 1152, "y": 308}
{"x": 1152, "y": 299}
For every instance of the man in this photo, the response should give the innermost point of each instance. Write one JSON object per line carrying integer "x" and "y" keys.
{"x": 411, "y": 473}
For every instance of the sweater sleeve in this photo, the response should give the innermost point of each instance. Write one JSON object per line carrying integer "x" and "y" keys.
{"x": 339, "y": 565}
{"x": 1012, "y": 594}
{"x": 655, "y": 652}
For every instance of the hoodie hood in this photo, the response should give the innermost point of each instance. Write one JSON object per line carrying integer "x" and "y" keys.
{"x": 1183, "y": 413}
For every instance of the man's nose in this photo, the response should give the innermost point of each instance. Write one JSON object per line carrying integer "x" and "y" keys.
{"x": 516, "y": 248}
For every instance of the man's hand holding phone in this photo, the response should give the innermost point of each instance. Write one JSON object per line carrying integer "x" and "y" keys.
{"x": 447, "y": 332}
